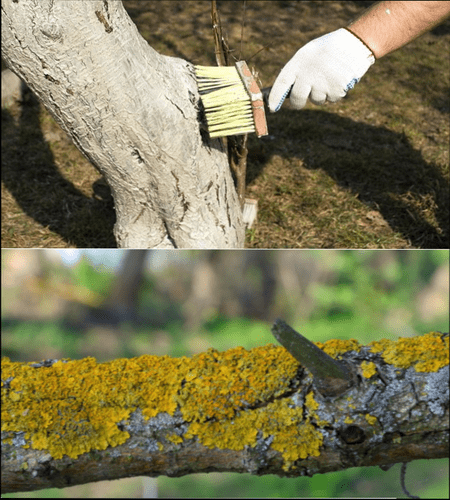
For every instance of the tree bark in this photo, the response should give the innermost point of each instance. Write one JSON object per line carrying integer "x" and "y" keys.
{"x": 134, "y": 114}
{"x": 72, "y": 422}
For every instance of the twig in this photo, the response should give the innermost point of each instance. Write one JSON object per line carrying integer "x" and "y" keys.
{"x": 331, "y": 377}
{"x": 402, "y": 481}
{"x": 236, "y": 145}
{"x": 221, "y": 55}
{"x": 242, "y": 30}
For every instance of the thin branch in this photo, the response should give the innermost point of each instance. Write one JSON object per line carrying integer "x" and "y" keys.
{"x": 236, "y": 145}
{"x": 331, "y": 377}
{"x": 402, "y": 481}
{"x": 219, "y": 42}
{"x": 242, "y": 28}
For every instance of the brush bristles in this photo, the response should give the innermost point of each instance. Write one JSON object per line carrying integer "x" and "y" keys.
{"x": 228, "y": 106}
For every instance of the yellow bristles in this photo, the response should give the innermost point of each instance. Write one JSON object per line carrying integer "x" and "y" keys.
{"x": 228, "y": 106}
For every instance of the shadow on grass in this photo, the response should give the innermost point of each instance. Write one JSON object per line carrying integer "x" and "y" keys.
{"x": 30, "y": 174}
{"x": 378, "y": 166}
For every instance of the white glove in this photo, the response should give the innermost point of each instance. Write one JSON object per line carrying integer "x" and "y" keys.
{"x": 324, "y": 69}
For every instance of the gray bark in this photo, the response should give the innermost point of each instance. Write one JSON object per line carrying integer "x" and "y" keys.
{"x": 408, "y": 420}
{"x": 133, "y": 113}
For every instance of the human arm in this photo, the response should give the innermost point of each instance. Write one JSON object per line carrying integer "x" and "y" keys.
{"x": 327, "y": 67}
{"x": 387, "y": 26}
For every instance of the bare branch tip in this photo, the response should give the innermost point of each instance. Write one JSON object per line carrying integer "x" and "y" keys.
{"x": 331, "y": 377}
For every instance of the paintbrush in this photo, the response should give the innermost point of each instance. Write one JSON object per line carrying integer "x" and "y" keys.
{"x": 232, "y": 100}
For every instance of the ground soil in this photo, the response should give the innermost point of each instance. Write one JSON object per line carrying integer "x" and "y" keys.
{"x": 368, "y": 172}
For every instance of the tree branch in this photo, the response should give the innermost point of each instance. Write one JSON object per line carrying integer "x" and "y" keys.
{"x": 71, "y": 422}
{"x": 236, "y": 145}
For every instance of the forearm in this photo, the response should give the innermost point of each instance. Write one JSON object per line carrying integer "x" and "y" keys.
{"x": 387, "y": 26}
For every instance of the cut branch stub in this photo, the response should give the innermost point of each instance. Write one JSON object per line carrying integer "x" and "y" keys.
{"x": 331, "y": 377}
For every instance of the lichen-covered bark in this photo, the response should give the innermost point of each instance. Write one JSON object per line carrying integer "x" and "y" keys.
{"x": 70, "y": 422}
{"x": 134, "y": 114}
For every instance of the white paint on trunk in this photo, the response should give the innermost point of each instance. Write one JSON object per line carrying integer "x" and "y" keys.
{"x": 134, "y": 114}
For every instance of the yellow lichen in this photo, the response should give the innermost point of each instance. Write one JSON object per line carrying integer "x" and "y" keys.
{"x": 294, "y": 437}
{"x": 174, "y": 438}
{"x": 227, "y": 398}
{"x": 64, "y": 408}
{"x": 311, "y": 403}
{"x": 368, "y": 369}
{"x": 253, "y": 379}
{"x": 427, "y": 353}
{"x": 72, "y": 407}
{"x": 371, "y": 419}
{"x": 334, "y": 347}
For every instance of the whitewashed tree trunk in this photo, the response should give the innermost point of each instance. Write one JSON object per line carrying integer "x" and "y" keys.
{"x": 133, "y": 113}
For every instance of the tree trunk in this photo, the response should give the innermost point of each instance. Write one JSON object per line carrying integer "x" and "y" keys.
{"x": 134, "y": 114}
{"x": 121, "y": 304}
{"x": 72, "y": 422}
{"x": 124, "y": 294}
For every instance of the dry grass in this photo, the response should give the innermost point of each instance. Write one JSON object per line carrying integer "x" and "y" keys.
{"x": 368, "y": 172}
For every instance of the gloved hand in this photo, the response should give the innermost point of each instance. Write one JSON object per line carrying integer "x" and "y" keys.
{"x": 324, "y": 69}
